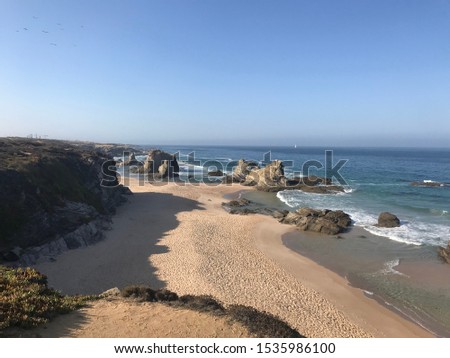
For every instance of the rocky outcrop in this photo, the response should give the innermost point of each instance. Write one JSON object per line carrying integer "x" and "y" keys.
{"x": 271, "y": 178}
{"x": 322, "y": 221}
{"x": 444, "y": 253}
{"x": 387, "y": 219}
{"x": 243, "y": 169}
{"x": 306, "y": 219}
{"x": 244, "y": 207}
{"x": 55, "y": 191}
{"x": 160, "y": 164}
{"x": 131, "y": 161}
{"x": 429, "y": 184}
{"x": 84, "y": 235}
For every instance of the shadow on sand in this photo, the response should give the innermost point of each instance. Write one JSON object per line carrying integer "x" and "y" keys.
{"x": 123, "y": 257}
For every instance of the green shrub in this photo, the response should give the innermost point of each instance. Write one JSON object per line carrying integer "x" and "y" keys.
{"x": 145, "y": 293}
{"x": 26, "y": 301}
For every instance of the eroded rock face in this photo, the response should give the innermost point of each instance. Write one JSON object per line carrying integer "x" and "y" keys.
{"x": 160, "y": 164}
{"x": 387, "y": 219}
{"x": 243, "y": 169}
{"x": 322, "y": 221}
{"x": 52, "y": 190}
{"x": 271, "y": 176}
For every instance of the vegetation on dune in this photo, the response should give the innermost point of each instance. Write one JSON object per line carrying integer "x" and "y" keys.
{"x": 261, "y": 324}
{"x": 145, "y": 293}
{"x": 26, "y": 301}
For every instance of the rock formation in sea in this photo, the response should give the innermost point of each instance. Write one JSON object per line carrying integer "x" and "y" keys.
{"x": 271, "y": 178}
{"x": 55, "y": 196}
{"x": 160, "y": 164}
{"x": 215, "y": 173}
{"x": 429, "y": 184}
{"x": 387, "y": 219}
{"x": 132, "y": 161}
{"x": 330, "y": 222}
{"x": 242, "y": 169}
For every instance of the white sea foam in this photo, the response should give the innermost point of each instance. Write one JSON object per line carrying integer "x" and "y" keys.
{"x": 389, "y": 268}
{"x": 412, "y": 231}
{"x": 224, "y": 159}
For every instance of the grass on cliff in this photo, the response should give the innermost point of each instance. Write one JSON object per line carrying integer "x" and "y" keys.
{"x": 26, "y": 301}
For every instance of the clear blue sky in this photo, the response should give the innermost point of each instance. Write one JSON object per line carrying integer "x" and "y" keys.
{"x": 347, "y": 72}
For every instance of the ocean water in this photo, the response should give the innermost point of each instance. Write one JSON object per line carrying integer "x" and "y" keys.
{"x": 397, "y": 266}
{"x": 378, "y": 180}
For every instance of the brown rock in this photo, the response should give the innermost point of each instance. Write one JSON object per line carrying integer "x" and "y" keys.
{"x": 271, "y": 176}
{"x": 215, "y": 173}
{"x": 242, "y": 169}
{"x": 444, "y": 253}
{"x": 161, "y": 163}
{"x": 131, "y": 161}
{"x": 387, "y": 219}
{"x": 322, "y": 221}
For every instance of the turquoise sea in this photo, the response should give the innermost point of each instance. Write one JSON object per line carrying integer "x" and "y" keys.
{"x": 399, "y": 267}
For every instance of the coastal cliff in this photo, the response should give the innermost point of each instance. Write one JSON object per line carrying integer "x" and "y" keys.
{"x": 55, "y": 196}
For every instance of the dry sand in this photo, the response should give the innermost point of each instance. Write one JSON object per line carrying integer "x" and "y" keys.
{"x": 119, "y": 318}
{"x": 179, "y": 237}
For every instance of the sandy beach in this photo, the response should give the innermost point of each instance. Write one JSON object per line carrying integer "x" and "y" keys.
{"x": 179, "y": 237}
{"x": 116, "y": 318}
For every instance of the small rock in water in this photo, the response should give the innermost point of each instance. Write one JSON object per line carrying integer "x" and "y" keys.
{"x": 387, "y": 219}
{"x": 444, "y": 253}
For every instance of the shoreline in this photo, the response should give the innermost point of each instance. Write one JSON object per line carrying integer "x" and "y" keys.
{"x": 426, "y": 323}
{"x": 179, "y": 237}
{"x": 364, "y": 310}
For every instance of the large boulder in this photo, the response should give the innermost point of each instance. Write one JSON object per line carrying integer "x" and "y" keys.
{"x": 322, "y": 221}
{"x": 387, "y": 219}
{"x": 161, "y": 164}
